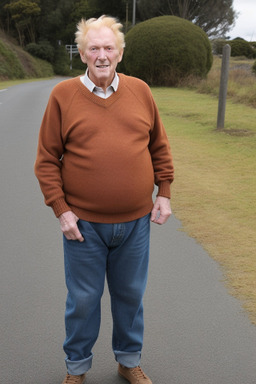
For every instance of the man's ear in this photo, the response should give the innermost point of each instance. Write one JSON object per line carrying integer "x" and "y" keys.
{"x": 120, "y": 55}
{"x": 82, "y": 56}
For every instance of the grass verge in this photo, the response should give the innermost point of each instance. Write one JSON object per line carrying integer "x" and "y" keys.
{"x": 214, "y": 192}
{"x": 241, "y": 82}
{"x": 9, "y": 83}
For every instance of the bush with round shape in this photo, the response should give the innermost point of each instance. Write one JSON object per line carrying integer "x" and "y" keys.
{"x": 241, "y": 47}
{"x": 165, "y": 50}
{"x": 43, "y": 50}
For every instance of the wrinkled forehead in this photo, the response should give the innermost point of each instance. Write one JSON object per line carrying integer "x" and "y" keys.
{"x": 102, "y": 36}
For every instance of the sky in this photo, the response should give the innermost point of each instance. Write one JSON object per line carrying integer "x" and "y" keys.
{"x": 245, "y": 25}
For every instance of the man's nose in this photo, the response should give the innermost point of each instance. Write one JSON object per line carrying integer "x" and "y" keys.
{"x": 102, "y": 54}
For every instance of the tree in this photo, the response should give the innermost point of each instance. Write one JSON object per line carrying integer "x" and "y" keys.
{"x": 215, "y": 17}
{"x": 121, "y": 9}
{"x": 4, "y": 16}
{"x": 59, "y": 18}
{"x": 81, "y": 9}
{"x": 24, "y": 13}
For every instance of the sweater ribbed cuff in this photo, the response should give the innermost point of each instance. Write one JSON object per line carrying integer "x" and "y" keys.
{"x": 60, "y": 206}
{"x": 164, "y": 189}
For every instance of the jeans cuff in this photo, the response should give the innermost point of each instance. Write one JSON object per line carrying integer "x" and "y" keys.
{"x": 128, "y": 359}
{"x": 78, "y": 367}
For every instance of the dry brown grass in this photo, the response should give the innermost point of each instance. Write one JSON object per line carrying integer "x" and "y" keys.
{"x": 241, "y": 84}
{"x": 214, "y": 193}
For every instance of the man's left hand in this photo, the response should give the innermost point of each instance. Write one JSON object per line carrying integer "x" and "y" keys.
{"x": 161, "y": 210}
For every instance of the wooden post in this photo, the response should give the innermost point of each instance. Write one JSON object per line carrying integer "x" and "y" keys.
{"x": 223, "y": 86}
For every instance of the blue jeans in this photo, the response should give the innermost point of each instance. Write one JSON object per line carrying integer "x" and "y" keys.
{"x": 120, "y": 252}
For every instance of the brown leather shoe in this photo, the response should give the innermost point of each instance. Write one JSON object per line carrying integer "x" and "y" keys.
{"x": 72, "y": 379}
{"x": 134, "y": 375}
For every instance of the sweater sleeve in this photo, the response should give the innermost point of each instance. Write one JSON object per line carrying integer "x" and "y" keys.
{"x": 48, "y": 161}
{"x": 161, "y": 156}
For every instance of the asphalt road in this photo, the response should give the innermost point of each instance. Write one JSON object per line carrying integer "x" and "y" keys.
{"x": 196, "y": 333}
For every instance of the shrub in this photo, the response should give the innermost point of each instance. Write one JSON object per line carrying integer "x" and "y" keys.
{"x": 240, "y": 47}
{"x": 165, "y": 50}
{"x": 43, "y": 50}
{"x": 61, "y": 63}
{"x": 77, "y": 63}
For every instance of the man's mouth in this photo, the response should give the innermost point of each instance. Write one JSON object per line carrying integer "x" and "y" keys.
{"x": 102, "y": 66}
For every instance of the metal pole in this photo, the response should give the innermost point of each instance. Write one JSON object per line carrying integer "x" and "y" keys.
{"x": 70, "y": 56}
{"x": 127, "y": 13}
{"x": 134, "y": 13}
{"x": 223, "y": 86}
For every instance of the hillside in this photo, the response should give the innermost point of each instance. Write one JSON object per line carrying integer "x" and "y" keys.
{"x": 15, "y": 63}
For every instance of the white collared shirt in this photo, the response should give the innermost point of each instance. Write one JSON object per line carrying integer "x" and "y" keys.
{"x": 98, "y": 91}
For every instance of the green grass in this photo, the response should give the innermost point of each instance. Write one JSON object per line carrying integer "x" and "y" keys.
{"x": 214, "y": 191}
{"x": 10, "y": 83}
{"x": 15, "y": 63}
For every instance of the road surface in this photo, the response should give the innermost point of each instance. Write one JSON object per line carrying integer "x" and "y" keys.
{"x": 195, "y": 332}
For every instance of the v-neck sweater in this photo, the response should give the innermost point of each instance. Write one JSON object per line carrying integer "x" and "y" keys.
{"x": 101, "y": 157}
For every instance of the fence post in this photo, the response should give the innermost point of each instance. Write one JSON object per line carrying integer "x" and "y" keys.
{"x": 223, "y": 86}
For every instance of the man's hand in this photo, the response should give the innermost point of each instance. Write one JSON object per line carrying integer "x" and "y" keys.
{"x": 161, "y": 210}
{"x": 68, "y": 223}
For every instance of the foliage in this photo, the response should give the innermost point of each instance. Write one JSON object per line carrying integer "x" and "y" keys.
{"x": 44, "y": 50}
{"x": 41, "y": 68}
{"x": 217, "y": 46}
{"x": 114, "y": 8}
{"x": 10, "y": 65}
{"x": 15, "y": 63}
{"x": 215, "y": 17}
{"x": 23, "y": 14}
{"x": 239, "y": 47}
{"x": 61, "y": 62}
{"x": 166, "y": 49}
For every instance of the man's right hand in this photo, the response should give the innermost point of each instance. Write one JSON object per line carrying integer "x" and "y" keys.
{"x": 68, "y": 223}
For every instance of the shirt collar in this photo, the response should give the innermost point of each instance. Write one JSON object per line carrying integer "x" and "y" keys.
{"x": 91, "y": 86}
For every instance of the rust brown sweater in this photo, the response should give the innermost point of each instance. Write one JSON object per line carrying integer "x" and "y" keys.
{"x": 100, "y": 157}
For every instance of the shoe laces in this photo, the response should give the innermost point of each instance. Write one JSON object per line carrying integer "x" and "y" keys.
{"x": 71, "y": 379}
{"x": 138, "y": 373}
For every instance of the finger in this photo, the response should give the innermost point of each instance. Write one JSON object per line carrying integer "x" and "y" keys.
{"x": 74, "y": 234}
{"x": 154, "y": 214}
{"x": 73, "y": 237}
{"x": 77, "y": 235}
{"x": 162, "y": 218}
{"x": 80, "y": 238}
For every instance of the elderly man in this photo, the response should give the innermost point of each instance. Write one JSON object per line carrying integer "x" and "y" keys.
{"x": 102, "y": 146}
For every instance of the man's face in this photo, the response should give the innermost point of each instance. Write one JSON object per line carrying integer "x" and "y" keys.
{"x": 101, "y": 56}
